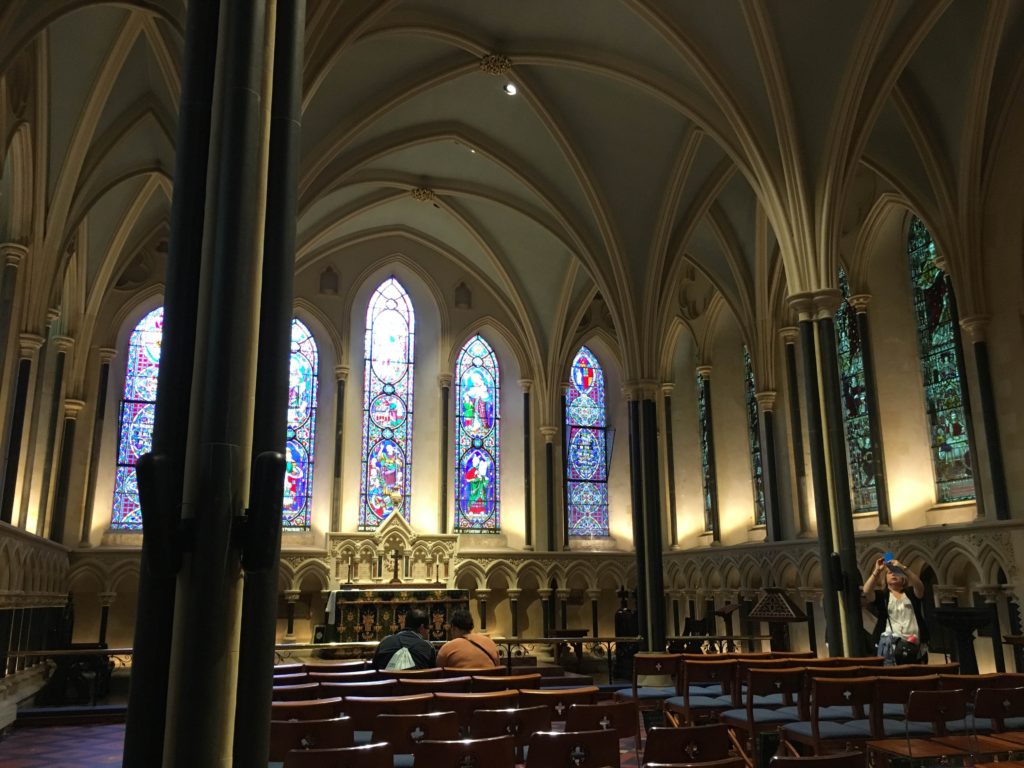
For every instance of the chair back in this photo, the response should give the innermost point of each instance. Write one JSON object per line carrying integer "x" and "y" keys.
{"x": 818, "y": 671}
{"x": 496, "y": 752}
{"x": 359, "y": 676}
{"x": 766, "y": 682}
{"x": 413, "y": 674}
{"x": 794, "y": 655}
{"x": 997, "y": 704}
{"x": 837, "y": 760}
{"x": 558, "y": 700}
{"x": 580, "y": 749}
{"x": 363, "y": 710}
{"x": 971, "y": 683}
{"x": 623, "y": 717}
{"x": 937, "y": 707}
{"x": 337, "y": 666}
{"x": 289, "y": 669}
{"x": 699, "y": 744}
{"x": 301, "y": 692}
{"x": 315, "y": 709}
{"x": 362, "y": 688}
{"x": 404, "y": 732}
{"x": 464, "y": 704}
{"x": 655, "y": 664}
{"x": 520, "y": 723}
{"x": 286, "y": 735}
{"x": 434, "y": 685}
{"x": 893, "y": 689}
{"x": 484, "y": 683}
{"x": 474, "y": 671}
{"x": 728, "y": 762}
{"x": 697, "y": 672}
{"x": 297, "y": 678}
{"x": 370, "y": 756}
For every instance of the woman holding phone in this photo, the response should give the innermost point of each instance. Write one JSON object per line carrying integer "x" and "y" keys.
{"x": 901, "y": 634}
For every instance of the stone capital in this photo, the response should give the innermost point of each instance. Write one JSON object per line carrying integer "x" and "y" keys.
{"x": 481, "y": 594}
{"x": 974, "y": 327}
{"x": 667, "y": 388}
{"x": 766, "y": 400}
{"x": 989, "y": 591}
{"x": 525, "y": 384}
{"x": 594, "y": 594}
{"x": 859, "y": 302}
{"x": 946, "y": 593}
{"x": 73, "y": 407}
{"x": 63, "y": 343}
{"x": 292, "y": 595}
{"x": 52, "y": 315}
{"x": 106, "y": 599}
{"x": 513, "y": 594}
{"x": 563, "y": 594}
{"x": 444, "y": 381}
{"x": 549, "y": 433}
{"x": 789, "y": 334}
{"x": 29, "y": 344}
{"x": 341, "y": 372}
{"x": 13, "y": 254}
{"x": 545, "y": 593}
{"x": 803, "y": 305}
{"x": 826, "y": 303}
{"x": 106, "y": 354}
{"x": 704, "y": 371}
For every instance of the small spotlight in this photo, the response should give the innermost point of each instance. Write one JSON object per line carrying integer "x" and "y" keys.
{"x": 510, "y": 89}
{"x": 473, "y": 151}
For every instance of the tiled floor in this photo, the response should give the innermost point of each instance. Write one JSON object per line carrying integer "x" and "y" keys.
{"x": 77, "y": 746}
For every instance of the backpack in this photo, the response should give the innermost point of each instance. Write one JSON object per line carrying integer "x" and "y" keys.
{"x": 401, "y": 660}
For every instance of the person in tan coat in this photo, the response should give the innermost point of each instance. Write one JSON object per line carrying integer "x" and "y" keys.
{"x": 467, "y": 649}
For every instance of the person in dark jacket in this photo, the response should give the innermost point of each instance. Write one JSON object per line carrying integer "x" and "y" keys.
{"x": 897, "y": 594}
{"x": 414, "y": 637}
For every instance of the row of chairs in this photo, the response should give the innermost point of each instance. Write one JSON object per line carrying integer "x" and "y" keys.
{"x": 360, "y": 671}
{"x": 320, "y": 685}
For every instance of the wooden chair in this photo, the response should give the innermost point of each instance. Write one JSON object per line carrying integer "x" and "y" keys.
{"x": 286, "y": 735}
{"x": 766, "y": 691}
{"x": 1001, "y": 707}
{"x": 699, "y": 743}
{"x": 496, "y": 752}
{"x": 473, "y": 671}
{"x": 484, "y": 683}
{"x": 411, "y": 686}
{"x": 289, "y": 669}
{"x": 337, "y": 666}
{"x": 951, "y": 729}
{"x": 413, "y": 674}
{"x": 558, "y": 700}
{"x": 404, "y": 732}
{"x": 802, "y": 710}
{"x": 364, "y": 710}
{"x": 793, "y": 655}
{"x": 728, "y": 762}
{"x": 697, "y": 697}
{"x": 623, "y": 717}
{"x": 837, "y": 760}
{"x": 937, "y": 707}
{"x": 297, "y": 678}
{"x": 301, "y": 692}
{"x": 580, "y": 749}
{"x": 360, "y": 676}
{"x": 855, "y": 694}
{"x": 520, "y": 723}
{"x": 369, "y": 756}
{"x": 317, "y": 709}
{"x": 648, "y": 665}
{"x": 465, "y": 704}
{"x": 889, "y": 713}
{"x": 367, "y": 688}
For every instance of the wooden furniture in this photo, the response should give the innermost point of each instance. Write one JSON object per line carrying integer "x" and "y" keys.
{"x": 317, "y": 709}
{"x": 558, "y": 700}
{"x": 404, "y": 732}
{"x": 465, "y": 704}
{"x": 286, "y": 735}
{"x": 699, "y": 744}
{"x": 580, "y": 749}
{"x": 497, "y": 752}
{"x": 369, "y": 756}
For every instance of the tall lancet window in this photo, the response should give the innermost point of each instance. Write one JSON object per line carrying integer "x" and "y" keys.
{"x": 302, "y": 402}
{"x": 754, "y": 434}
{"x": 940, "y": 363}
{"x": 586, "y": 447}
{"x": 704, "y": 427}
{"x": 135, "y": 425}
{"x": 387, "y": 406}
{"x": 477, "y": 439}
{"x": 856, "y": 420}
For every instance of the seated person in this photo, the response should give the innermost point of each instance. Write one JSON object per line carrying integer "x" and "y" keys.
{"x": 467, "y": 649}
{"x": 414, "y": 638}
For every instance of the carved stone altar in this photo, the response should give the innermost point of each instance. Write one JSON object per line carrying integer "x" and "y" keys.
{"x": 369, "y": 558}
{"x": 373, "y": 613}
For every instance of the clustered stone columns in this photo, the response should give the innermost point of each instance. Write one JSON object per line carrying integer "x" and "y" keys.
{"x": 11, "y": 254}
{"x": 789, "y": 337}
{"x": 29, "y": 345}
{"x": 565, "y": 465}
{"x": 770, "y": 465}
{"x": 63, "y": 346}
{"x": 549, "y": 492}
{"x": 670, "y": 463}
{"x": 340, "y": 378}
{"x": 563, "y": 607}
{"x": 712, "y": 522}
{"x": 445, "y": 383}
{"x": 526, "y": 384}
{"x": 72, "y": 408}
{"x": 105, "y": 355}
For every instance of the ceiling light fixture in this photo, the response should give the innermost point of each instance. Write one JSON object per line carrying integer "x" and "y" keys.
{"x": 510, "y": 89}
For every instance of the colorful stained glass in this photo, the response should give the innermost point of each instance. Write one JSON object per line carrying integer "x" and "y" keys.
{"x": 939, "y": 347}
{"x": 302, "y": 402}
{"x": 387, "y": 406}
{"x": 587, "y": 457}
{"x": 860, "y": 458}
{"x": 754, "y": 433}
{"x": 707, "y": 470}
{"x": 135, "y": 426}
{"x": 477, "y": 439}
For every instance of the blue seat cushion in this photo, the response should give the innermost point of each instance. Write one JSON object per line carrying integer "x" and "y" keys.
{"x": 770, "y": 700}
{"x": 700, "y": 702}
{"x": 892, "y": 709}
{"x": 970, "y": 724}
{"x": 359, "y": 738}
{"x": 836, "y": 713}
{"x": 761, "y": 716}
{"x": 1014, "y": 723}
{"x": 705, "y": 689}
{"x": 827, "y": 729}
{"x": 646, "y": 693}
{"x": 402, "y": 761}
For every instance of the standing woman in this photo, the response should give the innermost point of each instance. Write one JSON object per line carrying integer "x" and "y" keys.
{"x": 897, "y": 592}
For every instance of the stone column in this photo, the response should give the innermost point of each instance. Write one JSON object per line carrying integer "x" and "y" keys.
{"x": 990, "y": 593}
{"x": 527, "y": 466}
{"x": 549, "y": 465}
{"x": 975, "y": 328}
{"x": 29, "y": 345}
{"x": 11, "y": 256}
{"x": 547, "y": 611}
{"x": 796, "y": 431}
{"x": 773, "y": 507}
{"x": 595, "y": 600}
{"x": 513, "y": 605}
{"x": 63, "y": 345}
{"x": 445, "y": 382}
{"x": 105, "y": 354}
{"x": 565, "y": 466}
{"x": 712, "y": 523}
{"x": 860, "y": 307}
{"x": 563, "y": 607}
{"x": 670, "y": 464}
{"x": 106, "y": 600}
{"x": 481, "y": 601}
{"x": 340, "y": 378}
{"x": 291, "y": 597}
{"x": 674, "y": 596}
{"x": 811, "y": 597}
{"x": 72, "y": 407}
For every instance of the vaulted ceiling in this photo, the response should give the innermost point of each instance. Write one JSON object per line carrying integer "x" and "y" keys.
{"x": 649, "y": 142}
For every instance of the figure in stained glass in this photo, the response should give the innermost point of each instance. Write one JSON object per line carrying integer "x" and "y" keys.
{"x": 387, "y": 406}
{"x": 299, "y": 447}
{"x": 586, "y": 453}
{"x": 707, "y": 472}
{"x": 754, "y": 433}
{"x": 477, "y": 438}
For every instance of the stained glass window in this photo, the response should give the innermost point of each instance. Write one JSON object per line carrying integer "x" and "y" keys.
{"x": 856, "y": 422}
{"x": 707, "y": 477}
{"x": 135, "y": 426}
{"x": 477, "y": 439}
{"x": 387, "y": 406}
{"x": 586, "y": 435}
{"x": 302, "y": 400}
{"x": 754, "y": 429}
{"x": 940, "y": 364}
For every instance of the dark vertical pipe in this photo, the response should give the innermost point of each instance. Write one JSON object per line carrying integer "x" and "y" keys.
{"x": 965, "y": 397}
{"x": 270, "y": 417}
{"x": 565, "y": 482}
{"x": 594, "y": 628}
{"x": 104, "y": 617}
{"x": 446, "y": 385}
{"x": 636, "y": 481}
{"x": 773, "y": 513}
{"x": 670, "y": 462}
{"x": 796, "y": 435}
{"x": 549, "y": 465}
{"x": 290, "y": 630}
{"x": 874, "y": 419}
{"x": 546, "y": 612}
{"x": 63, "y": 483}
{"x": 94, "y": 451}
{"x": 564, "y": 608}
{"x": 819, "y": 479}
{"x": 339, "y": 425}
{"x": 677, "y": 631}
{"x": 653, "y": 534}
{"x": 147, "y": 700}
{"x": 527, "y": 473}
{"x": 17, "y": 428}
{"x": 990, "y": 420}
{"x": 812, "y": 632}
{"x": 50, "y": 438}
{"x": 513, "y": 604}
{"x": 482, "y": 607}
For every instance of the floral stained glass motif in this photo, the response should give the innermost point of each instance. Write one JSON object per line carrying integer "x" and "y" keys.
{"x": 754, "y": 429}
{"x": 586, "y": 451}
{"x": 386, "y": 479}
{"x": 939, "y": 348}
{"x": 860, "y": 457}
{"x": 135, "y": 426}
{"x": 706, "y": 464}
{"x": 477, "y": 439}
{"x": 304, "y": 368}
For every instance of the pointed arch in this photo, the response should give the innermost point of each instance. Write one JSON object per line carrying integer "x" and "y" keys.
{"x": 477, "y": 438}
{"x": 586, "y": 449}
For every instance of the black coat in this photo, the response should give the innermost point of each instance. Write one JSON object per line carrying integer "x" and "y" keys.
{"x": 423, "y": 653}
